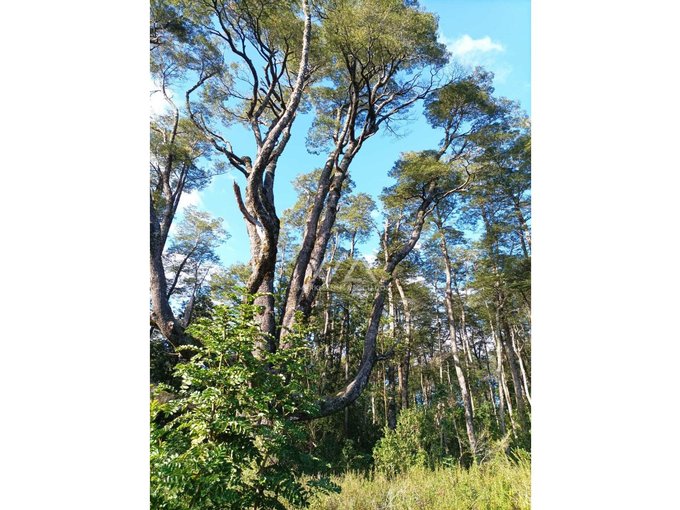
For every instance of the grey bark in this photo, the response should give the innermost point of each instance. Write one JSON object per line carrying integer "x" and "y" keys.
{"x": 258, "y": 206}
{"x": 405, "y": 365}
{"x": 162, "y": 316}
{"x": 460, "y": 374}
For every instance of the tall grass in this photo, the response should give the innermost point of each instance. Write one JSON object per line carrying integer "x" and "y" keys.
{"x": 497, "y": 484}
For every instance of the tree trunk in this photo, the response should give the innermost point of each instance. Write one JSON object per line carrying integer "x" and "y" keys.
{"x": 391, "y": 404}
{"x": 374, "y": 417}
{"x": 391, "y": 380}
{"x": 303, "y": 283}
{"x": 499, "y": 380}
{"x": 385, "y": 400}
{"x": 263, "y": 253}
{"x": 353, "y": 389}
{"x": 460, "y": 374}
{"x": 525, "y": 379}
{"x": 405, "y": 365}
{"x": 524, "y": 235}
{"x": 162, "y": 315}
{"x": 508, "y": 401}
{"x": 465, "y": 340}
{"x": 423, "y": 388}
{"x": 511, "y": 356}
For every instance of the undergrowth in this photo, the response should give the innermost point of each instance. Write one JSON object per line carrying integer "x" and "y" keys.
{"x": 499, "y": 483}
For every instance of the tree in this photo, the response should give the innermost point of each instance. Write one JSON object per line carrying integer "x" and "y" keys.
{"x": 180, "y": 153}
{"x": 445, "y": 243}
{"x": 500, "y": 201}
{"x": 178, "y": 166}
{"x": 265, "y": 40}
{"x": 191, "y": 255}
{"x": 417, "y": 352}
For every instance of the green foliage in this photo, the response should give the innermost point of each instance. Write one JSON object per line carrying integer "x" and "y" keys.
{"x": 352, "y": 459}
{"x": 354, "y": 218}
{"x": 418, "y": 174}
{"x": 328, "y": 102}
{"x": 180, "y": 154}
{"x": 276, "y": 26}
{"x": 464, "y": 100}
{"x": 227, "y": 281}
{"x": 414, "y": 442}
{"x": 224, "y": 433}
{"x": 228, "y": 439}
{"x": 197, "y": 237}
{"x": 162, "y": 361}
{"x": 376, "y": 33}
{"x": 177, "y": 41}
{"x": 372, "y": 53}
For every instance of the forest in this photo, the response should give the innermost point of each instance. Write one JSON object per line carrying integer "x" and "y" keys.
{"x": 375, "y": 349}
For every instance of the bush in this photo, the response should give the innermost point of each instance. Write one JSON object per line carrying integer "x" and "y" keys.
{"x": 414, "y": 442}
{"x": 227, "y": 439}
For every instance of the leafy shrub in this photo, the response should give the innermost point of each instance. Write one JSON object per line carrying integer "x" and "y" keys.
{"x": 414, "y": 442}
{"x": 228, "y": 439}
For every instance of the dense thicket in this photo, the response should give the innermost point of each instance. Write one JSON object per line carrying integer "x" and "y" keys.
{"x": 316, "y": 357}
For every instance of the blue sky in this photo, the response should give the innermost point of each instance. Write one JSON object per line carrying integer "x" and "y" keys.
{"x": 493, "y": 33}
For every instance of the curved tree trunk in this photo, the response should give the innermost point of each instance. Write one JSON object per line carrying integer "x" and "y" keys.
{"x": 351, "y": 392}
{"x": 162, "y": 315}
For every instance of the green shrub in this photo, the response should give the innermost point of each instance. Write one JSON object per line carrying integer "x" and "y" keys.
{"x": 414, "y": 442}
{"x": 227, "y": 439}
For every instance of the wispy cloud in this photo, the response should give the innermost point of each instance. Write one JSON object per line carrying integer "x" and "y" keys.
{"x": 188, "y": 199}
{"x": 158, "y": 103}
{"x": 483, "y": 52}
{"x": 371, "y": 257}
{"x": 465, "y": 46}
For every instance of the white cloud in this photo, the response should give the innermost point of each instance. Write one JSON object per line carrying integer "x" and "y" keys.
{"x": 483, "y": 52}
{"x": 158, "y": 103}
{"x": 191, "y": 198}
{"x": 186, "y": 200}
{"x": 465, "y": 46}
{"x": 371, "y": 257}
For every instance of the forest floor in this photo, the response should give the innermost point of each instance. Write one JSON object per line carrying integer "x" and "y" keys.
{"x": 495, "y": 485}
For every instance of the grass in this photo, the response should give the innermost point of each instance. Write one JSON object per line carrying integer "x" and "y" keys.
{"x": 498, "y": 484}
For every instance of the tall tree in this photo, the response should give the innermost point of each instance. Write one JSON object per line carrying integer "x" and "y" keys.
{"x": 258, "y": 82}
{"x": 385, "y": 53}
{"x": 191, "y": 256}
{"x": 180, "y": 153}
